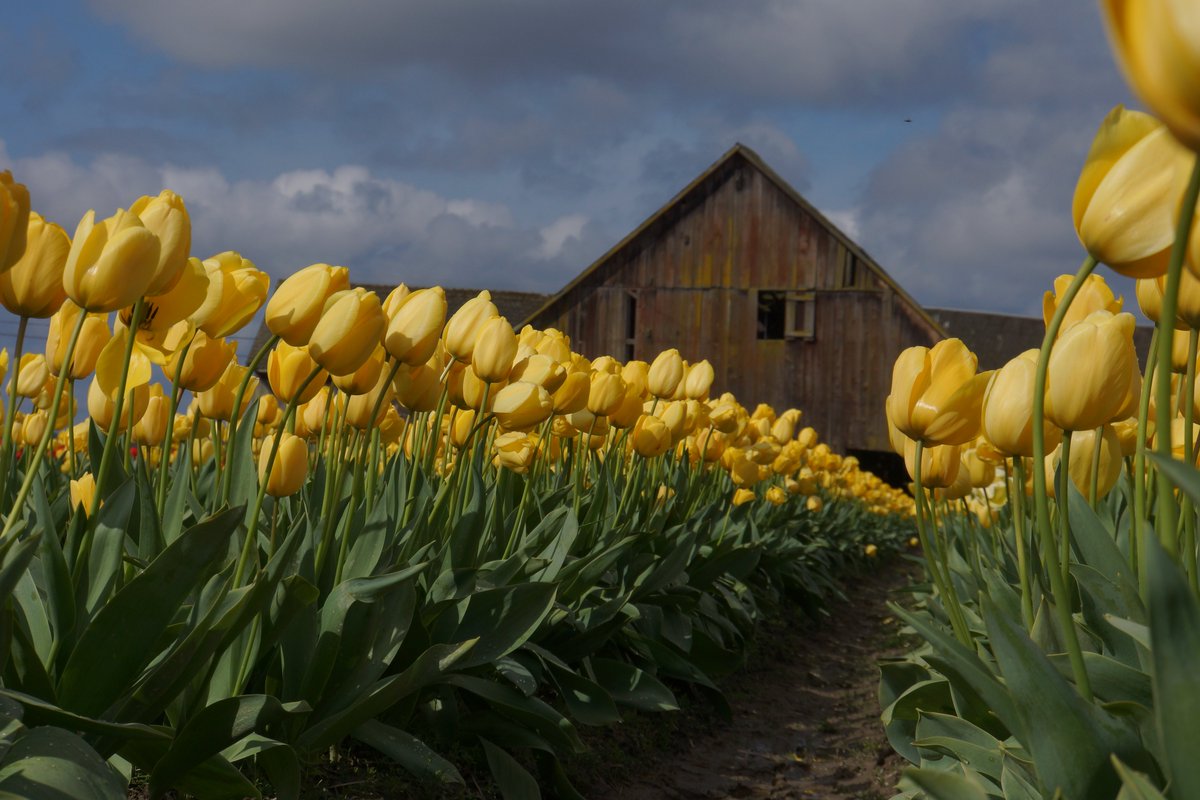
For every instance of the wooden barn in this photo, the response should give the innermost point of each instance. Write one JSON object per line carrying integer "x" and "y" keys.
{"x": 739, "y": 269}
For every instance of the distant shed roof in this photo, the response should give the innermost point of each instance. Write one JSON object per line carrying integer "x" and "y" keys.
{"x": 998, "y": 338}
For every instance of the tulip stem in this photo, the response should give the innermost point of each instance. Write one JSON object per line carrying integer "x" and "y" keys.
{"x": 1164, "y": 523}
{"x": 1017, "y": 495}
{"x": 1058, "y": 585}
{"x": 1189, "y": 453}
{"x": 1063, "y": 479}
{"x": 160, "y": 498}
{"x": 44, "y": 442}
{"x": 935, "y": 555}
{"x": 1139, "y": 459}
{"x": 114, "y": 427}
{"x": 227, "y": 483}
{"x": 6, "y": 447}
{"x": 251, "y": 535}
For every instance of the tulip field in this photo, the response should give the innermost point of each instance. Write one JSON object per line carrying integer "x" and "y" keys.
{"x": 430, "y": 536}
{"x": 1057, "y": 496}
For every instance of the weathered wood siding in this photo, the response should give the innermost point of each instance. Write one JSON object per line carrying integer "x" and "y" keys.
{"x": 694, "y": 274}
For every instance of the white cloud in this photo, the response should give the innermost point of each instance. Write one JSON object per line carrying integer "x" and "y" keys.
{"x": 383, "y": 229}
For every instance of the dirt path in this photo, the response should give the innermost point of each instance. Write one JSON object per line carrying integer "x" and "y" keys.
{"x": 805, "y": 715}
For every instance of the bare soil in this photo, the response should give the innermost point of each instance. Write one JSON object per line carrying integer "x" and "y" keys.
{"x": 805, "y": 715}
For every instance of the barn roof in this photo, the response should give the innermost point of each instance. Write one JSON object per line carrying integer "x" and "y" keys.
{"x": 664, "y": 217}
{"x": 998, "y": 338}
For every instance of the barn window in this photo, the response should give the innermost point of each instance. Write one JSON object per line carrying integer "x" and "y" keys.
{"x": 630, "y": 325}
{"x": 772, "y": 315}
{"x": 786, "y": 315}
{"x": 848, "y": 269}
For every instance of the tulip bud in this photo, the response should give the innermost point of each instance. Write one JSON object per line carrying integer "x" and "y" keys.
{"x": 363, "y": 379}
{"x": 1007, "y": 413}
{"x": 315, "y": 413}
{"x": 1157, "y": 46}
{"x": 939, "y": 465}
{"x": 1089, "y": 374}
{"x": 514, "y": 451}
{"x": 1094, "y": 295}
{"x": 814, "y": 504}
{"x": 360, "y": 407}
{"x": 151, "y": 429}
{"x": 83, "y": 491}
{"x": 650, "y": 437}
{"x": 463, "y": 329}
{"x": 699, "y": 380}
{"x": 475, "y": 390}
{"x": 33, "y": 287}
{"x": 217, "y": 402}
{"x": 167, "y": 218}
{"x": 1129, "y": 192}
{"x": 776, "y": 496}
{"x": 605, "y": 394}
{"x": 348, "y": 332}
{"x": 978, "y": 473}
{"x": 289, "y": 469}
{"x": 520, "y": 406}
{"x": 742, "y": 496}
{"x": 665, "y": 374}
{"x": 395, "y": 299}
{"x": 93, "y": 338}
{"x": 203, "y": 364}
{"x": 412, "y": 334}
{"x": 101, "y": 406}
{"x": 573, "y": 394}
{"x": 269, "y": 414}
{"x": 33, "y": 427}
{"x": 14, "y": 219}
{"x": 288, "y": 368}
{"x": 236, "y": 291}
{"x": 296, "y": 307}
{"x": 674, "y": 416}
{"x": 111, "y": 263}
{"x": 461, "y": 424}
{"x": 936, "y": 394}
{"x": 1083, "y": 446}
{"x": 627, "y": 413}
{"x": 32, "y": 375}
{"x": 495, "y": 350}
{"x": 539, "y": 369}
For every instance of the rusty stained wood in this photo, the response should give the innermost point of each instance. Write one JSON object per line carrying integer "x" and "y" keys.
{"x": 695, "y": 274}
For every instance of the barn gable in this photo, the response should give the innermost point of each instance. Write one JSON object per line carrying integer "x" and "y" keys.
{"x": 738, "y": 268}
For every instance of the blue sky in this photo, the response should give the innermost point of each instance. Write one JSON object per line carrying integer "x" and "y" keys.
{"x": 507, "y": 143}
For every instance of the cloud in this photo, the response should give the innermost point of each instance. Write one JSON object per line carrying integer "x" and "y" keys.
{"x": 385, "y": 230}
{"x": 811, "y": 50}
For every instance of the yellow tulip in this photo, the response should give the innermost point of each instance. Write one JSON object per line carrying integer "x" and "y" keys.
{"x": 495, "y": 350}
{"x": 14, "y": 219}
{"x": 167, "y": 218}
{"x": 627, "y": 413}
{"x": 776, "y": 496}
{"x": 699, "y": 380}
{"x": 418, "y": 388}
{"x": 520, "y": 406}
{"x": 540, "y": 369}
{"x": 236, "y": 291}
{"x": 871, "y": 550}
{"x": 815, "y": 504}
{"x": 33, "y": 426}
{"x": 514, "y": 451}
{"x": 1007, "y": 413}
{"x": 176, "y": 304}
{"x": 1083, "y": 446}
{"x": 1094, "y": 295}
{"x": 204, "y": 363}
{"x": 396, "y": 298}
{"x": 288, "y": 368}
{"x": 936, "y": 393}
{"x": 463, "y": 328}
{"x": 674, "y": 416}
{"x": 980, "y": 473}
{"x": 784, "y": 427}
{"x": 111, "y": 263}
{"x": 1157, "y": 44}
{"x": 742, "y": 496}
{"x": 665, "y": 374}
{"x": 605, "y": 394}
{"x": 1128, "y": 194}
{"x": 151, "y": 428}
{"x": 83, "y": 490}
{"x": 31, "y": 375}
{"x": 413, "y": 332}
{"x": 1089, "y": 379}
{"x": 289, "y": 469}
{"x": 101, "y": 406}
{"x": 573, "y": 394}
{"x": 217, "y": 402}
{"x": 363, "y": 379}
{"x": 462, "y": 422}
{"x": 939, "y": 465}
{"x": 650, "y": 437}
{"x": 93, "y": 338}
{"x": 315, "y": 413}
{"x": 359, "y": 407}
{"x": 33, "y": 287}
{"x": 348, "y": 332}
{"x": 475, "y": 390}
{"x": 296, "y": 307}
